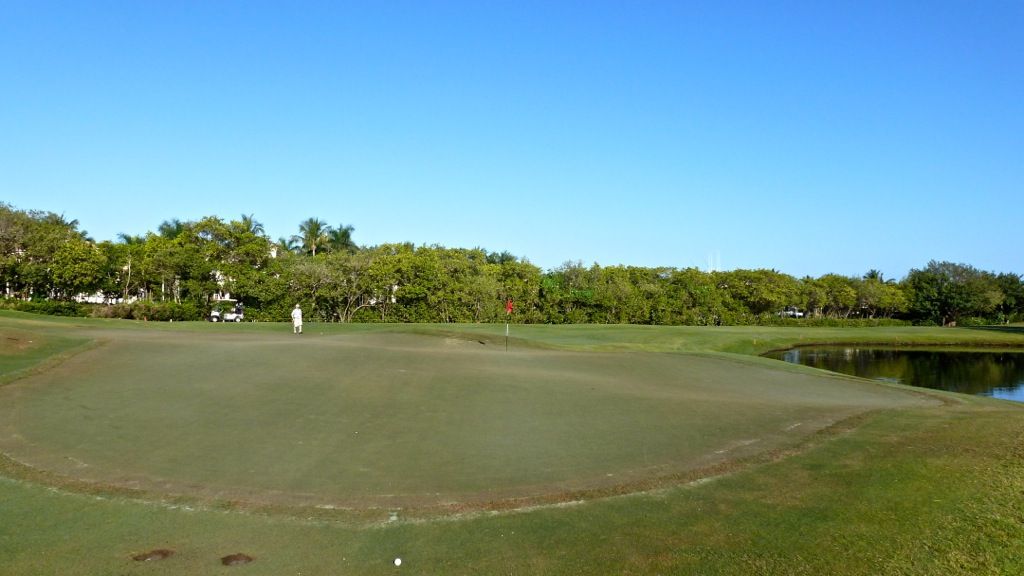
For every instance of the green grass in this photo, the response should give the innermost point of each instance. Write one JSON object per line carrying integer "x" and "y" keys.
{"x": 746, "y": 339}
{"x": 902, "y": 482}
{"x": 403, "y": 421}
{"x": 28, "y": 345}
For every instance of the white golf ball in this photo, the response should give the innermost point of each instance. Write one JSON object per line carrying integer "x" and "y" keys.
{"x": 398, "y": 561}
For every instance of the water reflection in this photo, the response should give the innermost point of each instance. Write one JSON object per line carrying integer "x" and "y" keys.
{"x": 999, "y": 374}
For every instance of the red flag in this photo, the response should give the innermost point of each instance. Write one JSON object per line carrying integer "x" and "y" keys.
{"x": 508, "y": 306}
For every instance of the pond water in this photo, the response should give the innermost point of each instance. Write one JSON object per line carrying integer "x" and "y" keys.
{"x": 995, "y": 373}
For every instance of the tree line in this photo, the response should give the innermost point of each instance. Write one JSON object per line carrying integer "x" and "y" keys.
{"x": 183, "y": 269}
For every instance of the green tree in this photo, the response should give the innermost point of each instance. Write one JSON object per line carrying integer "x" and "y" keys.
{"x": 46, "y": 236}
{"x": 249, "y": 224}
{"x": 695, "y": 298}
{"x": 124, "y": 274}
{"x": 170, "y": 229}
{"x": 349, "y": 285}
{"x": 77, "y": 268}
{"x": 165, "y": 260}
{"x": 340, "y": 239}
{"x": 386, "y": 272}
{"x": 839, "y": 295}
{"x": 501, "y": 258}
{"x": 521, "y": 282}
{"x": 893, "y": 300}
{"x": 946, "y": 292}
{"x": 287, "y": 245}
{"x": 14, "y": 232}
{"x": 619, "y": 295}
{"x": 571, "y": 290}
{"x": 314, "y": 234}
{"x": 1011, "y": 308}
{"x": 758, "y": 292}
{"x": 310, "y": 283}
{"x": 246, "y": 255}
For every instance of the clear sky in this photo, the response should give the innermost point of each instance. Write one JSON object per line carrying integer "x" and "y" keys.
{"x": 810, "y": 137}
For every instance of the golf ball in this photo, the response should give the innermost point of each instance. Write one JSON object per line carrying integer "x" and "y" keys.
{"x": 398, "y": 561}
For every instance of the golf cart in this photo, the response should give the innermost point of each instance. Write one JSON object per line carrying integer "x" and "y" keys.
{"x": 236, "y": 312}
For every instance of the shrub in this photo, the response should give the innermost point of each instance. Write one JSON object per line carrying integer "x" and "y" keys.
{"x": 973, "y": 321}
{"x": 145, "y": 310}
{"x": 48, "y": 307}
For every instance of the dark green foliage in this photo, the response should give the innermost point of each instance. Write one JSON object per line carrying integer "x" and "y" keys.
{"x": 826, "y": 322}
{"x": 321, "y": 268}
{"x": 946, "y": 293}
{"x": 48, "y": 307}
{"x": 1011, "y": 309}
{"x": 154, "y": 311}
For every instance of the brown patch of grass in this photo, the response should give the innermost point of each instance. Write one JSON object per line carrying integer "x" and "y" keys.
{"x": 16, "y": 345}
{"x": 158, "y": 554}
{"x": 236, "y": 559}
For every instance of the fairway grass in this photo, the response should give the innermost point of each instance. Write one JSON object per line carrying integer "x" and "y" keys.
{"x": 580, "y": 450}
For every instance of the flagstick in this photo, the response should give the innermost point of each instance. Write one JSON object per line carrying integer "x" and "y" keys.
{"x": 508, "y": 317}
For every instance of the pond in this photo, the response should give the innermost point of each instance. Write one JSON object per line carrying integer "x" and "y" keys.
{"x": 995, "y": 373}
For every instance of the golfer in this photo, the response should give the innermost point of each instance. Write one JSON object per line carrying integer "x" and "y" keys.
{"x": 297, "y": 320}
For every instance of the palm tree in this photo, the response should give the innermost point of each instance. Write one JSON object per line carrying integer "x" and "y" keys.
{"x": 134, "y": 244}
{"x": 340, "y": 238}
{"x": 874, "y": 274}
{"x": 313, "y": 234}
{"x": 288, "y": 244}
{"x": 131, "y": 240}
{"x": 171, "y": 229}
{"x": 68, "y": 227}
{"x": 250, "y": 224}
{"x": 504, "y": 257}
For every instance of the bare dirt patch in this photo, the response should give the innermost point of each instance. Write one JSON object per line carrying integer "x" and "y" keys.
{"x": 236, "y": 559}
{"x": 159, "y": 554}
{"x": 14, "y": 344}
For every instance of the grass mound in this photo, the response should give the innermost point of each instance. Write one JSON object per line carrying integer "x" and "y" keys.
{"x": 413, "y": 421}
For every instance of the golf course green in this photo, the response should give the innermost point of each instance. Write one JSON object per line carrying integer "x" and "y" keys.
{"x": 573, "y": 450}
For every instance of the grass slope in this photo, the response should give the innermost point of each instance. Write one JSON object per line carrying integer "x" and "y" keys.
{"x": 404, "y": 421}
{"x": 927, "y": 488}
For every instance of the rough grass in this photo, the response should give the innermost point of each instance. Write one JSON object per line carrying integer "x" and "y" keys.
{"x": 924, "y": 489}
{"x": 24, "y": 349}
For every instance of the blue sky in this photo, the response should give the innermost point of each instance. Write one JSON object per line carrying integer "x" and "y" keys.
{"x": 809, "y": 137}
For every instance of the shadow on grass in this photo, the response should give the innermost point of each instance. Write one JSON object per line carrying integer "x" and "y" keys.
{"x": 1006, "y": 329}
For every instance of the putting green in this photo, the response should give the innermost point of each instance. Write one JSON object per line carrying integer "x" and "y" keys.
{"x": 404, "y": 420}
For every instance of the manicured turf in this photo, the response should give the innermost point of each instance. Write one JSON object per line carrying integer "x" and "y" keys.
{"x": 403, "y": 421}
{"x": 211, "y": 440}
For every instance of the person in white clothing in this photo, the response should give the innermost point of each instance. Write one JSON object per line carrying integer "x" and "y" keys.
{"x": 297, "y": 320}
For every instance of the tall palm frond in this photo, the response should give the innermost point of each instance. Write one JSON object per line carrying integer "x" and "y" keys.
{"x": 249, "y": 222}
{"x": 340, "y": 239}
{"x": 171, "y": 229}
{"x": 288, "y": 244}
{"x": 314, "y": 234}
